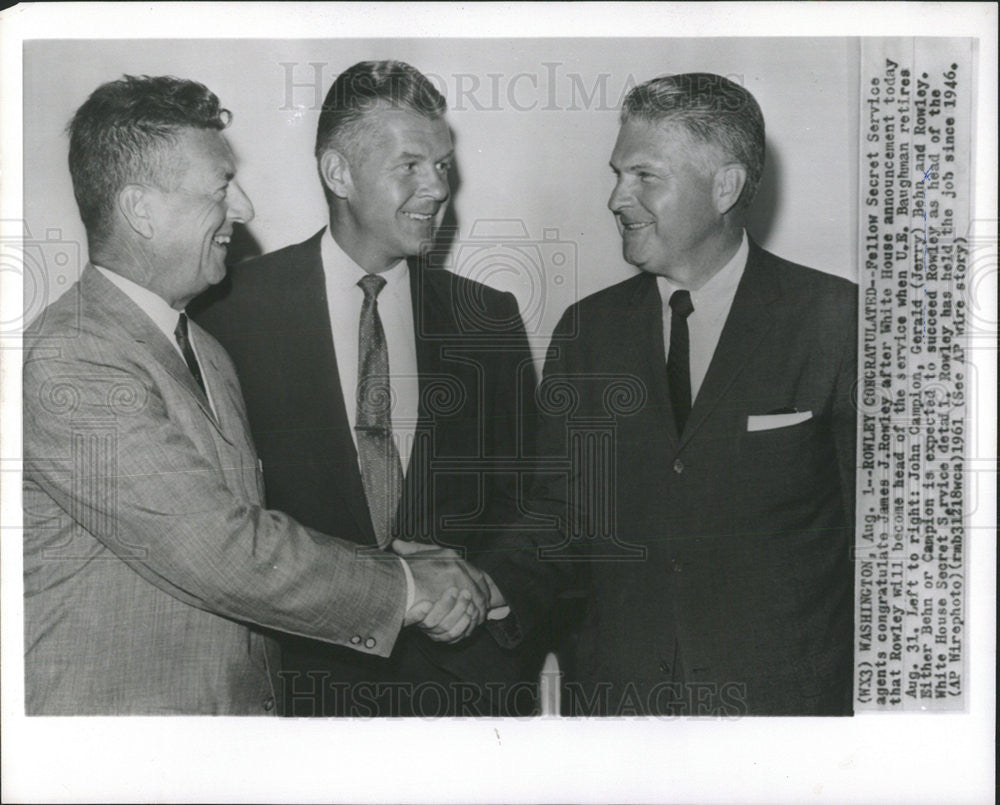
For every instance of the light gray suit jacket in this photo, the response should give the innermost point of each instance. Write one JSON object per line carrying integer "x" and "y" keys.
{"x": 149, "y": 562}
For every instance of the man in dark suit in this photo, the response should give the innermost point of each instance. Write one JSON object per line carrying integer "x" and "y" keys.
{"x": 386, "y": 400}
{"x": 717, "y": 507}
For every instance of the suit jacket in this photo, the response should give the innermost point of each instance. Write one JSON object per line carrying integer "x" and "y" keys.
{"x": 475, "y": 422}
{"x": 150, "y": 566}
{"x": 717, "y": 562}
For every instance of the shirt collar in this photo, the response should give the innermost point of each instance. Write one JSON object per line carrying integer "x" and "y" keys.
{"x": 722, "y": 285}
{"x": 157, "y": 308}
{"x": 343, "y": 273}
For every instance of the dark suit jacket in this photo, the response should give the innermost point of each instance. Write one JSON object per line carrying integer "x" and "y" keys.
{"x": 723, "y": 582}
{"x": 475, "y": 419}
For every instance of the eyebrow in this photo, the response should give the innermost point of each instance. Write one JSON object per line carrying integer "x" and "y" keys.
{"x": 410, "y": 155}
{"x": 635, "y": 166}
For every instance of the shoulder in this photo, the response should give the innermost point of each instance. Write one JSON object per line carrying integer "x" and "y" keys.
{"x": 449, "y": 303}
{"x": 77, "y": 326}
{"x": 248, "y": 284}
{"x": 808, "y": 291}
{"x": 459, "y": 289}
{"x": 59, "y": 320}
{"x": 74, "y": 354}
{"x": 608, "y": 303}
{"x": 293, "y": 254}
{"x": 614, "y": 295}
{"x": 821, "y": 308}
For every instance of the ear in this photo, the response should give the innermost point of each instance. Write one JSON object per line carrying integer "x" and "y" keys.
{"x": 134, "y": 205}
{"x": 335, "y": 172}
{"x": 729, "y": 182}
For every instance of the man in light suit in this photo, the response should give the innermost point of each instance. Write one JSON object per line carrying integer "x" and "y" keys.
{"x": 721, "y": 376}
{"x": 459, "y": 392}
{"x": 152, "y": 572}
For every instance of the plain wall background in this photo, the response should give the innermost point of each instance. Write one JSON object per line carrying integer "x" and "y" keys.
{"x": 534, "y": 122}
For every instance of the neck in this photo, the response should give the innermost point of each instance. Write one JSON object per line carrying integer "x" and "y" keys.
{"x": 710, "y": 258}
{"x": 134, "y": 263}
{"x": 356, "y": 246}
{"x": 124, "y": 259}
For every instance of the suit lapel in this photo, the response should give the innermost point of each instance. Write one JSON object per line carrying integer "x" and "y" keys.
{"x": 432, "y": 311}
{"x": 116, "y": 309}
{"x": 748, "y": 322}
{"x": 229, "y": 407}
{"x": 432, "y": 314}
{"x": 304, "y": 287}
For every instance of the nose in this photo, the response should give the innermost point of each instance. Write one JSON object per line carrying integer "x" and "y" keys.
{"x": 435, "y": 184}
{"x": 620, "y": 196}
{"x": 240, "y": 206}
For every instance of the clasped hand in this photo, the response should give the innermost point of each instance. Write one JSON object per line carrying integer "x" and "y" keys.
{"x": 452, "y": 596}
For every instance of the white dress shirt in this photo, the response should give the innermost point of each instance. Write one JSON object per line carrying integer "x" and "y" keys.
{"x": 712, "y": 303}
{"x": 164, "y": 317}
{"x": 395, "y": 309}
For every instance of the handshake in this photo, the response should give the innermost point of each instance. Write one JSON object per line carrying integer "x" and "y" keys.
{"x": 451, "y": 596}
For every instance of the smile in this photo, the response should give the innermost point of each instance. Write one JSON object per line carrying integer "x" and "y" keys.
{"x": 420, "y": 216}
{"x": 633, "y": 227}
{"x": 222, "y": 241}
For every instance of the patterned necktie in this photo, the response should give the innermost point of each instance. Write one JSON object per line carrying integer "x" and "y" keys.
{"x": 678, "y": 363}
{"x": 181, "y": 334}
{"x": 381, "y": 471}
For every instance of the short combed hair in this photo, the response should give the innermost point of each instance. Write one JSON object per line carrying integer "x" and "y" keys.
{"x": 122, "y": 133}
{"x": 712, "y": 110}
{"x": 366, "y": 87}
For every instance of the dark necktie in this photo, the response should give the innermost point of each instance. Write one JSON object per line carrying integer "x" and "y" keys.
{"x": 678, "y": 362}
{"x": 381, "y": 471}
{"x": 181, "y": 334}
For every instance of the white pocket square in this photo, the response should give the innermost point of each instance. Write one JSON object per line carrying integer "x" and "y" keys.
{"x": 773, "y": 421}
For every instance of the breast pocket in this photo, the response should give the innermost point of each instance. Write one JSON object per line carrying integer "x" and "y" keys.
{"x": 779, "y": 466}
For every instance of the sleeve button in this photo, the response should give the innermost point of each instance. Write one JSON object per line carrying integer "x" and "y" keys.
{"x": 355, "y": 639}
{"x": 370, "y": 642}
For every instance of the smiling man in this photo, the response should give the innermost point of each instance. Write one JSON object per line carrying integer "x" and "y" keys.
{"x": 731, "y": 480}
{"x": 153, "y": 576}
{"x": 385, "y": 398}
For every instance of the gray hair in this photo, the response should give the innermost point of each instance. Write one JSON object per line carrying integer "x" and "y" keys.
{"x": 712, "y": 110}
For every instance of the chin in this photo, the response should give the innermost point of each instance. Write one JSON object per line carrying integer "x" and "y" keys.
{"x": 631, "y": 259}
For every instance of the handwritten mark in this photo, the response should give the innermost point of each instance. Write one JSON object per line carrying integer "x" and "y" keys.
{"x": 498, "y": 735}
